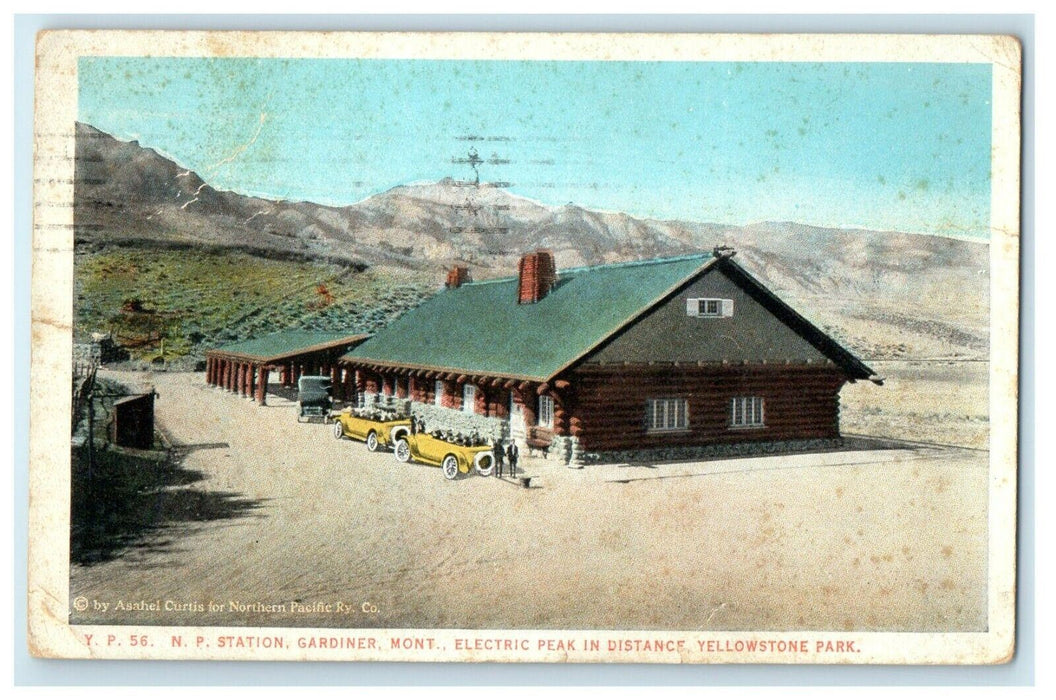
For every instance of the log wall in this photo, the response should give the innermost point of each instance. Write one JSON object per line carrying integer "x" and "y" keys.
{"x": 800, "y": 402}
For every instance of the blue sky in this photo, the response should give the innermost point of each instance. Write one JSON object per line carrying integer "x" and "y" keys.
{"x": 889, "y": 146}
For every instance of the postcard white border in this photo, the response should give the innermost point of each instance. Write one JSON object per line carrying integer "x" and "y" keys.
{"x": 51, "y": 291}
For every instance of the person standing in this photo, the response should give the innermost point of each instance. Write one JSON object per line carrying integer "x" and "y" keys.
{"x": 497, "y": 451}
{"x": 512, "y": 453}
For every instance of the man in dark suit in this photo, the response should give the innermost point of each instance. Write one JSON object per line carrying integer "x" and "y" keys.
{"x": 512, "y": 453}
{"x": 497, "y": 451}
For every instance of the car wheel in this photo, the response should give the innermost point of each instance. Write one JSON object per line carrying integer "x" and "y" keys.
{"x": 372, "y": 441}
{"x": 484, "y": 463}
{"x": 402, "y": 451}
{"x": 450, "y": 467}
{"x": 339, "y": 430}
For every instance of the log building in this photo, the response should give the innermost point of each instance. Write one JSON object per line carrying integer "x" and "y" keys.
{"x": 666, "y": 358}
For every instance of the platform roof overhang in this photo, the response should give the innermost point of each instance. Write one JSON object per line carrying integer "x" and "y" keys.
{"x": 286, "y": 346}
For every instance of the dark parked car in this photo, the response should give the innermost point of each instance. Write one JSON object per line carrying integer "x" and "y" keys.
{"x": 313, "y": 398}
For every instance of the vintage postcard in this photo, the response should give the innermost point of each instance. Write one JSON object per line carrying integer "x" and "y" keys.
{"x": 525, "y": 347}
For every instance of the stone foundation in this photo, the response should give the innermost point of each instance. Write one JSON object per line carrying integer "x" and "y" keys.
{"x": 715, "y": 451}
{"x": 565, "y": 450}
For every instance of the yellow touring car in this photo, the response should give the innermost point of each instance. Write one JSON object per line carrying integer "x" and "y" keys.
{"x": 452, "y": 458}
{"x": 377, "y": 428}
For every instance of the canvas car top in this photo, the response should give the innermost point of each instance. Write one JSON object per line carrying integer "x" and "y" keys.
{"x": 313, "y": 389}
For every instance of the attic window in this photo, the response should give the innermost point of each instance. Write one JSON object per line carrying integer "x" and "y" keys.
{"x": 709, "y": 308}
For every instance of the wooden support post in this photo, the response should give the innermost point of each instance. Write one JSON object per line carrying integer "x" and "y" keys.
{"x": 251, "y": 381}
{"x": 335, "y": 381}
{"x": 350, "y": 383}
{"x": 227, "y": 375}
{"x": 262, "y": 386}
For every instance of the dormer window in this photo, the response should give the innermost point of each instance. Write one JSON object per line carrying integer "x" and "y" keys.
{"x": 709, "y": 308}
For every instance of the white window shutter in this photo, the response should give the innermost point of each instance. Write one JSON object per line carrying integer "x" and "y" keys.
{"x": 692, "y": 307}
{"x": 727, "y": 308}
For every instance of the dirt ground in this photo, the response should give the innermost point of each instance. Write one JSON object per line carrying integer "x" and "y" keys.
{"x": 271, "y": 522}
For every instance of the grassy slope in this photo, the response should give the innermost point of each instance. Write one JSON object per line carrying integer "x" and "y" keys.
{"x": 211, "y": 298}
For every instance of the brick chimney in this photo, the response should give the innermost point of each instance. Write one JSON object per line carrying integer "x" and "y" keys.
{"x": 457, "y": 276}
{"x": 537, "y": 276}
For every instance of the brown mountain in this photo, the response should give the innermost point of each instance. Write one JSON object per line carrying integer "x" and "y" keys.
{"x": 886, "y": 293}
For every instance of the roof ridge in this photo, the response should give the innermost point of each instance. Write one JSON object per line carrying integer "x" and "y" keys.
{"x": 637, "y": 263}
{"x": 586, "y": 268}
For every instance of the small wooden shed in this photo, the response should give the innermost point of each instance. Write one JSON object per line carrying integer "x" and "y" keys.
{"x": 132, "y": 424}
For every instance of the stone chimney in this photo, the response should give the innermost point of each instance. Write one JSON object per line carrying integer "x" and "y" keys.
{"x": 537, "y": 276}
{"x": 457, "y": 276}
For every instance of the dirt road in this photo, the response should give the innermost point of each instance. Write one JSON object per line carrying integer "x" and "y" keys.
{"x": 288, "y": 526}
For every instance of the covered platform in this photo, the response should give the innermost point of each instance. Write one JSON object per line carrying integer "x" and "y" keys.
{"x": 244, "y": 367}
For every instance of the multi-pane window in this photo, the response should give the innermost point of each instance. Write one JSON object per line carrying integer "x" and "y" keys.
{"x": 709, "y": 308}
{"x": 666, "y": 414}
{"x": 438, "y": 392}
{"x": 546, "y": 412}
{"x": 469, "y": 398}
{"x": 746, "y": 412}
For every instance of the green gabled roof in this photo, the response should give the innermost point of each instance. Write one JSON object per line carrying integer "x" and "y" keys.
{"x": 480, "y": 328}
{"x": 276, "y": 346}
